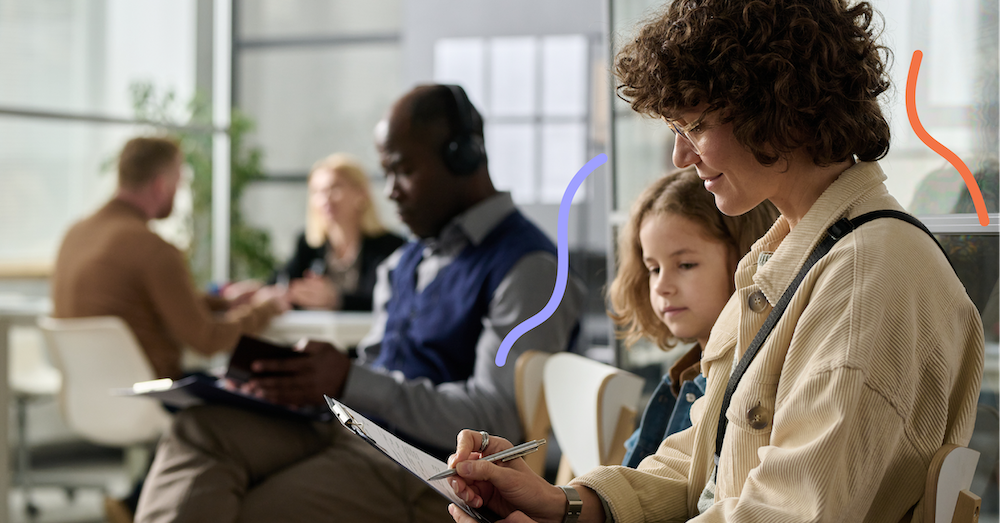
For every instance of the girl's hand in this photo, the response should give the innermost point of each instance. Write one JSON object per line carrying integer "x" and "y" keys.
{"x": 506, "y": 488}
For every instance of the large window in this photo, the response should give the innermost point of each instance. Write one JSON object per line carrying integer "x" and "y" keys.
{"x": 534, "y": 95}
{"x": 65, "y": 108}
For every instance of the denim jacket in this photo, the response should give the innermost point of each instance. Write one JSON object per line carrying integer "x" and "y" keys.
{"x": 669, "y": 409}
{"x": 663, "y": 416}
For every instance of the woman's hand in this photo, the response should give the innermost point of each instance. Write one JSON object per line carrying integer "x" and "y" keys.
{"x": 506, "y": 488}
{"x": 314, "y": 292}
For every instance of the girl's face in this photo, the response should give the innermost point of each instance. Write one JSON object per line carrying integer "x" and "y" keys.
{"x": 690, "y": 274}
{"x": 335, "y": 196}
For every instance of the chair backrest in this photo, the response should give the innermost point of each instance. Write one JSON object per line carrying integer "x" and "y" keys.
{"x": 985, "y": 440}
{"x": 592, "y": 407}
{"x": 96, "y": 355}
{"x": 29, "y": 372}
{"x": 531, "y": 408}
{"x": 947, "y": 498}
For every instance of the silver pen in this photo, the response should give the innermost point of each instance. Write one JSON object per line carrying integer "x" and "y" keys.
{"x": 503, "y": 456}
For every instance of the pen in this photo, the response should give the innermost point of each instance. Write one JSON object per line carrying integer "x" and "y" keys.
{"x": 503, "y": 456}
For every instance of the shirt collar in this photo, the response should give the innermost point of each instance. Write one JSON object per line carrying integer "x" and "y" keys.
{"x": 791, "y": 247}
{"x": 475, "y": 223}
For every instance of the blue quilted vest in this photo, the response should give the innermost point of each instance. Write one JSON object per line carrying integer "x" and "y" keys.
{"x": 432, "y": 334}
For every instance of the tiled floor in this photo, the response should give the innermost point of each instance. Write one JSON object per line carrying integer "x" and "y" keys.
{"x": 54, "y": 507}
{"x": 60, "y": 461}
{"x": 87, "y": 502}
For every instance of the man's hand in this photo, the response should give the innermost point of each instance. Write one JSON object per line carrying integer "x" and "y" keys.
{"x": 314, "y": 292}
{"x": 301, "y": 381}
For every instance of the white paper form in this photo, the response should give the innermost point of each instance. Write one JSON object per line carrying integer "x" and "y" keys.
{"x": 420, "y": 463}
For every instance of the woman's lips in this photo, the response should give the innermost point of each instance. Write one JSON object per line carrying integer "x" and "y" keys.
{"x": 712, "y": 181}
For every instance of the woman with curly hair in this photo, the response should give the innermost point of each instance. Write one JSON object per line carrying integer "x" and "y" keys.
{"x": 832, "y": 409}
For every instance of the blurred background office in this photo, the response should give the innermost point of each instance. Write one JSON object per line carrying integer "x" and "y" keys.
{"x": 309, "y": 77}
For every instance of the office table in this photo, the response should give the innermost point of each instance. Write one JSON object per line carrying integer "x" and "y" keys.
{"x": 14, "y": 310}
{"x": 343, "y": 329}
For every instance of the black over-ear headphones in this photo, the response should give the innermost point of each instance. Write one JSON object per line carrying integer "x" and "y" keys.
{"x": 465, "y": 151}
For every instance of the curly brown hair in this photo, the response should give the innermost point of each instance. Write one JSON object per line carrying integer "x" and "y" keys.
{"x": 789, "y": 74}
{"x": 682, "y": 193}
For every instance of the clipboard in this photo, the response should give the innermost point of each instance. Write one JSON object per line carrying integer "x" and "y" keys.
{"x": 199, "y": 389}
{"x": 414, "y": 460}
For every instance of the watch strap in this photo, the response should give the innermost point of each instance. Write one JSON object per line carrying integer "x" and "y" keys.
{"x": 574, "y": 505}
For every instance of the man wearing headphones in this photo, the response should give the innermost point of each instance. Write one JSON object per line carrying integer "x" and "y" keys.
{"x": 443, "y": 304}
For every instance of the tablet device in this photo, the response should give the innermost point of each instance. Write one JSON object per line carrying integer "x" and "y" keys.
{"x": 250, "y": 349}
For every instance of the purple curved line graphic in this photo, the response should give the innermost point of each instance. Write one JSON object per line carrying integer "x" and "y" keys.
{"x": 562, "y": 262}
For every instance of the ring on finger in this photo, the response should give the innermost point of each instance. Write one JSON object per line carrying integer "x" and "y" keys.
{"x": 486, "y": 441}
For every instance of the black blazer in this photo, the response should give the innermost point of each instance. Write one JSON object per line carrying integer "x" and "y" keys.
{"x": 374, "y": 249}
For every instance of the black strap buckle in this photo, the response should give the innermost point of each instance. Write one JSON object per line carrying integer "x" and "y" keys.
{"x": 840, "y": 228}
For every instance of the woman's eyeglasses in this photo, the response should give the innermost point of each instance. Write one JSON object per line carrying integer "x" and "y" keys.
{"x": 684, "y": 130}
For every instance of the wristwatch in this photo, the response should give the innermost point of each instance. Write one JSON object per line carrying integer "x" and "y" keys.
{"x": 574, "y": 505}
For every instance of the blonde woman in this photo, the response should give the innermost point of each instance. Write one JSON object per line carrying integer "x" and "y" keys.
{"x": 335, "y": 258}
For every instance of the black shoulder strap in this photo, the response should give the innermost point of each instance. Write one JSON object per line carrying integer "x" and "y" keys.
{"x": 899, "y": 215}
{"x": 838, "y": 230}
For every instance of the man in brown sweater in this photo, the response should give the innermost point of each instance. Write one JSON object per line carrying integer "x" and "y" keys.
{"x": 112, "y": 264}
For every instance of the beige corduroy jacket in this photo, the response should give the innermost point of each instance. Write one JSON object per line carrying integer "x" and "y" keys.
{"x": 875, "y": 364}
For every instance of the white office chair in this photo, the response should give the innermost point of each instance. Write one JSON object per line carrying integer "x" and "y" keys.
{"x": 986, "y": 441}
{"x": 528, "y": 374}
{"x": 947, "y": 498}
{"x": 593, "y": 408}
{"x": 96, "y": 355}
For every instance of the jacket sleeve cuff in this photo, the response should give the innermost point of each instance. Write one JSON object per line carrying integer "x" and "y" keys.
{"x": 620, "y": 502}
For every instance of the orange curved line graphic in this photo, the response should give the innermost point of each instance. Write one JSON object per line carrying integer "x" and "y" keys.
{"x": 929, "y": 141}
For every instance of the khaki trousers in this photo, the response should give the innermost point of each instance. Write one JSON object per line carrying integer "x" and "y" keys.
{"x": 219, "y": 464}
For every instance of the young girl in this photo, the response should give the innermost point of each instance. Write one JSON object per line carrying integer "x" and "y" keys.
{"x": 677, "y": 255}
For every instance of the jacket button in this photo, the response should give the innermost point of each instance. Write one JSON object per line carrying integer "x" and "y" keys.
{"x": 758, "y": 417}
{"x": 690, "y": 397}
{"x": 757, "y": 302}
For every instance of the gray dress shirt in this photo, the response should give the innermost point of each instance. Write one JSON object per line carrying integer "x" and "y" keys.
{"x": 435, "y": 414}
